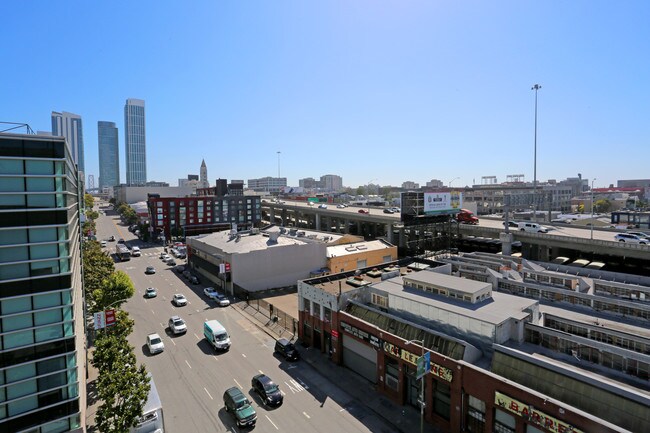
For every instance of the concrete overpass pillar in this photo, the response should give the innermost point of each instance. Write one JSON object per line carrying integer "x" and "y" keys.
{"x": 506, "y": 243}
{"x": 389, "y": 232}
{"x": 346, "y": 230}
{"x": 317, "y": 221}
{"x": 272, "y": 215}
{"x": 401, "y": 241}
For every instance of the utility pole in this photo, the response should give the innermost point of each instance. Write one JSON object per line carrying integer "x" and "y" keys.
{"x": 535, "y": 87}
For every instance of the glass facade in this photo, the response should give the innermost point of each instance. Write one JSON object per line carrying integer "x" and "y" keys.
{"x": 109, "y": 155}
{"x": 135, "y": 142}
{"x": 41, "y": 376}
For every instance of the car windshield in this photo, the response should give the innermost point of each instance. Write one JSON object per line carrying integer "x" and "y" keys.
{"x": 271, "y": 388}
{"x": 151, "y": 290}
{"x": 179, "y": 322}
{"x": 242, "y": 403}
{"x": 156, "y": 341}
{"x": 222, "y": 337}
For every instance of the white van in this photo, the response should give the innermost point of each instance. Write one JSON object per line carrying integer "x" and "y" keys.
{"x": 532, "y": 227}
{"x": 135, "y": 251}
{"x": 216, "y": 335}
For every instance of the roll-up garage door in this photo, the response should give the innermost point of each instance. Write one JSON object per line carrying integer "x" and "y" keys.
{"x": 360, "y": 358}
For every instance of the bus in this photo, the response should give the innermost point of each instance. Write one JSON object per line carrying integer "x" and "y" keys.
{"x": 152, "y": 420}
{"x": 122, "y": 252}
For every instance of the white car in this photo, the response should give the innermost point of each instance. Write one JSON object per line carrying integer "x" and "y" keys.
{"x": 103, "y": 243}
{"x": 210, "y": 292}
{"x": 166, "y": 258}
{"x": 222, "y": 301}
{"x": 640, "y": 235}
{"x": 631, "y": 239}
{"x": 179, "y": 300}
{"x": 340, "y": 206}
{"x": 177, "y": 325}
{"x": 155, "y": 344}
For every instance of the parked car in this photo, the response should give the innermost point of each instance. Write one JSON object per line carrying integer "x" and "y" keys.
{"x": 150, "y": 270}
{"x": 239, "y": 407}
{"x": 187, "y": 274}
{"x": 631, "y": 239}
{"x": 222, "y": 300}
{"x": 155, "y": 344}
{"x": 179, "y": 300}
{"x": 364, "y": 211}
{"x": 150, "y": 292}
{"x": 180, "y": 269}
{"x": 171, "y": 262}
{"x": 162, "y": 255}
{"x": 268, "y": 391}
{"x": 210, "y": 292}
{"x": 286, "y": 348}
{"x": 194, "y": 279}
{"x": 121, "y": 241}
{"x": 177, "y": 325}
{"x": 166, "y": 257}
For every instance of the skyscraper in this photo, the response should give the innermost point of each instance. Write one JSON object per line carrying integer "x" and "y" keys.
{"x": 69, "y": 125}
{"x": 42, "y": 335}
{"x": 109, "y": 155}
{"x": 204, "y": 176}
{"x": 134, "y": 142}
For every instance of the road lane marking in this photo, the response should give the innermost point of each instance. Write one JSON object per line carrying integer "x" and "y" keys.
{"x": 276, "y": 427}
{"x": 153, "y": 312}
{"x": 237, "y": 382}
{"x": 305, "y": 413}
{"x": 261, "y": 372}
{"x": 244, "y": 355}
{"x": 215, "y": 357}
{"x": 197, "y": 337}
{"x": 206, "y": 390}
{"x": 188, "y": 364}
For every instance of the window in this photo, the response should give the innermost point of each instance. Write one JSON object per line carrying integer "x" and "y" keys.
{"x": 380, "y": 301}
{"x": 306, "y": 305}
{"x": 441, "y": 399}
{"x": 475, "y": 419}
{"x": 392, "y": 373}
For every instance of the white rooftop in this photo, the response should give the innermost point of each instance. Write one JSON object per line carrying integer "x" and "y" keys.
{"x": 457, "y": 284}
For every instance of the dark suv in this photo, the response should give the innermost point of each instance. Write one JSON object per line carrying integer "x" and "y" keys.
{"x": 240, "y": 407}
{"x": 285, "y": 348}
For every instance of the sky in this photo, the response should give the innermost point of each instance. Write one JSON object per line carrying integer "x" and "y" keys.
{"x": 378, "y": 92}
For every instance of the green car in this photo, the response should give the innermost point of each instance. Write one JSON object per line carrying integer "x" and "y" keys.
{"x": 240, "y": 407}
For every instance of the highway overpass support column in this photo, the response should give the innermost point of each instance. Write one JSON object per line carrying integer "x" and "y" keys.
{"x": 317, "y": 221}
{"x": 346, "y": 230}
{"x": 272, "y": 215}
{"x": 389, "y": 232}
{"x": 506, "y": 243}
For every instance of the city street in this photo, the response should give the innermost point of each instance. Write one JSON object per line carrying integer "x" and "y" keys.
{"x": 191, "y": 377}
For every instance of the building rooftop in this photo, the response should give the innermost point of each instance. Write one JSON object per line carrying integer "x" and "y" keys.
{"x": 357, "y": 247}
{"x": 449, "y": 282}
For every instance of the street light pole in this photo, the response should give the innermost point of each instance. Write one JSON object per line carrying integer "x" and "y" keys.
{"x": 421, "y": 342}
{"x": 279, "y": 164}
{"x": 592, "y": 209}
{"x": 535, "y": 87}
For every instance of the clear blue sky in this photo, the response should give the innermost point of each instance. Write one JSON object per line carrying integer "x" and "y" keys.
{"x": 369, "y": 90}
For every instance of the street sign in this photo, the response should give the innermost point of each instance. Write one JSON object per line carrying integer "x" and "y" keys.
{"x": 423, "y": 365}
{"x": 100, "y": 320}
{"x": 110, "y": 317}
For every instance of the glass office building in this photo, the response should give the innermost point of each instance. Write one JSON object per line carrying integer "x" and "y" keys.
{"x": 42, "y": 354}
{"x": 69, "y": 125}
{"x": 109, "y": 155}
{"x": 135, "y": 143}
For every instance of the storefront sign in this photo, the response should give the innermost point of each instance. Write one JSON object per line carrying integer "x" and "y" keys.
{"x": 443, "y": 373}
{"x": 335, "y": 333}
{"x": 533, "y": 415}
{"x": 361, "y": 335}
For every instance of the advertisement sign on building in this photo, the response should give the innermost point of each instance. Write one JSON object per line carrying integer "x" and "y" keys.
{"x": 438, "y": 203}
{"x": 437, "y": 370}
{"x": 362, "y": 335}
{"x": 533, "y": 415}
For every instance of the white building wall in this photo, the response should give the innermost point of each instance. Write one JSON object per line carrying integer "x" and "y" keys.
{"x": 277, "y": 267}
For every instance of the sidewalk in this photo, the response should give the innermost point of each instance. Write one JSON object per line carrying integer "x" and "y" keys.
{"x": 405, "y": 419}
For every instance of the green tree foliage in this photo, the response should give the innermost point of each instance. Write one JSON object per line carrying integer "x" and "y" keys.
{"x": 114, "y": 291}
{"x": 122, "y": 386}
{"x": 602, "y": 205}
{"x": 89, "y": 227}
{"x": 92, "y": 215}
{"x": 89, "y": 201}
{"x": 112, "y": 200}
{"x": 122, "y": 208}
{"x": 97, "y": 268}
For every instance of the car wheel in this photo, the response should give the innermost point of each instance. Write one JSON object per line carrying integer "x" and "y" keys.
{"x": 622, "y": 240}
{"x": 522, "y": 230}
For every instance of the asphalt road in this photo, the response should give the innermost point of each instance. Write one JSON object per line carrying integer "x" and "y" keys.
{"x": 191, "y": 377}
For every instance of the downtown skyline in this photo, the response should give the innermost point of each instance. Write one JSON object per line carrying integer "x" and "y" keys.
{"x": 371, "y": 91}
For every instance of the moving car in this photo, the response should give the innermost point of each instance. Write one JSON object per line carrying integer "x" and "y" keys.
{"x": 268, "y": 391}
{"x": 135, "y": 252}
{"x": 286, "y": 348}
{"x": 340, "y": 206}
{"x": 532, "y": 227}
{"x": 103, "y": 243}
{"x": 631, "y": 239}
{"x": 179, "y": 300}
{"x": 640, "y": 235}
{"x": 155, "y": 344}
{"x": 216, "y": 334}
{"x": 150, "y": 270}
{"x": 210, "y": 292}
{"x": 177, "y": 325}
{"x": 322, "y": 206}
{"x": 388, "y": 210}
{"x": 364, "y": 211}
{"x": 513, "y": 224}
{"x": 111, "y": 239}
{"x": 239, "y": 407}
{"x": 222, "y": 301}
{"x": 150, "y": 292}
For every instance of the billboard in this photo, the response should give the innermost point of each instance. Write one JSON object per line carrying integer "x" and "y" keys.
{"x": 439, "y": 203}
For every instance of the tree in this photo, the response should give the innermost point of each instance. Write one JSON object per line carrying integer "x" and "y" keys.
{"x": 122, "y": 386}
{"x": 602, "y": 205}
{"x": 92, "y": 215}
{"x": 98, "y": 266}
{"x": 89, "y": 201}
{"x": 114, "y": 291}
